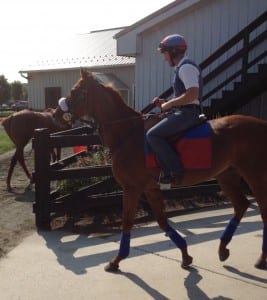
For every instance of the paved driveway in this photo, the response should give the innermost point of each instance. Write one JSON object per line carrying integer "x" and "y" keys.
{"x": 61, "y": 265}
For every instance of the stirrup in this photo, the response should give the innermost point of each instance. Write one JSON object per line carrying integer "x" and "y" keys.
{"x": 202, "y": 117}
{"x": 164, "y": 186}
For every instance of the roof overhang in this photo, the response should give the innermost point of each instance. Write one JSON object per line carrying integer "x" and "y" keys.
{"x": 129, "y": 40}
{"x": 108, "y": 78}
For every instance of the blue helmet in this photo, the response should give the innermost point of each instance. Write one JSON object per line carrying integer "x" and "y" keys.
{"x": 174, "y": 44}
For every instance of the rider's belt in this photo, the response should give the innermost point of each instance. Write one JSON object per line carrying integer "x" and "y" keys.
{"x": 188, "y": 105}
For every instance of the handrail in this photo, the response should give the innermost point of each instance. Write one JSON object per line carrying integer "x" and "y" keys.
{"x": 234, "y": 40}
{"x": 243, "y": 54}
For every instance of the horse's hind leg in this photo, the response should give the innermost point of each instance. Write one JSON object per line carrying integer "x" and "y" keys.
{"x": 259, "y": 189}
{"x": 155, "y": 199}
{"x": 231, "y": 184}
{"x": 262, "y": 261}
{"x": 55, "y": 154}
{"x": 10, "y": 170}
{"x": 21, "y": 160}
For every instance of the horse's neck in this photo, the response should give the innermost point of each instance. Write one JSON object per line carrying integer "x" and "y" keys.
{"x": 116, "y": 120}
{"x": 111, "y": 108}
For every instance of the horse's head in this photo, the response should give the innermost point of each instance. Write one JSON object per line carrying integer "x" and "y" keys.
{"x": 62, "y": 116}
{"x": 77, "y": 104}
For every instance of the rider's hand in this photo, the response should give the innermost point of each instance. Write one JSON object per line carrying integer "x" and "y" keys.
{"x": 166, "y": 106}
{"x": 158, "y": 102}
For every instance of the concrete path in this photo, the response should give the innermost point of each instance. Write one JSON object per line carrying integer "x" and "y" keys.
{"x": 60, "y": 265}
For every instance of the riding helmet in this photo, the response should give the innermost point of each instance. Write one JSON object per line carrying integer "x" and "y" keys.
{"x": 174, "y": 44}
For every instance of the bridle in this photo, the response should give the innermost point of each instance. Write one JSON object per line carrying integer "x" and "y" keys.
{"x": 67, "y": 116}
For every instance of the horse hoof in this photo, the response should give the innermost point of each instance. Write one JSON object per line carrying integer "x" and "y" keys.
{"x": 261, "y": 264}
{"x": 224, "y": 254}
{"x": 111, "y": 267}
{"x": 187, "y": 262}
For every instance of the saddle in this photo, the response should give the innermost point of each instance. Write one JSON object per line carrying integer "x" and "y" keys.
{"x": 193, "y": 146}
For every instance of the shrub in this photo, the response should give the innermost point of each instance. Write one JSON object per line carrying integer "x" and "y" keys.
{"x": 94, "y": 158}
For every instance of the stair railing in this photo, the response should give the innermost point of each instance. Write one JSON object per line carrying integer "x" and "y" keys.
{"x": 248, "y": 44}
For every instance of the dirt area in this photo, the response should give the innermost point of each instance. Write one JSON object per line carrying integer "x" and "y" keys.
{"x": 16, "y": 217}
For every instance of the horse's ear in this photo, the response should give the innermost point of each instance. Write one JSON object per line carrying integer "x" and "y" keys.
{"x": 84, "y": 73}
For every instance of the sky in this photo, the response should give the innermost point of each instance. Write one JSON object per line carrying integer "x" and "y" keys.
{"x": 31, "y": 28}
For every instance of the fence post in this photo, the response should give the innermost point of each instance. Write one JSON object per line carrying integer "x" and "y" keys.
{"x": 41, "y": 147}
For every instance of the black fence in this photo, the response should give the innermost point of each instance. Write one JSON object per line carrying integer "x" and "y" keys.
{"x": 49, "y": 202}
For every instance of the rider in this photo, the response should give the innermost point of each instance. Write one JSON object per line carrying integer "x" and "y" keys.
{"x": 183, "y": 109}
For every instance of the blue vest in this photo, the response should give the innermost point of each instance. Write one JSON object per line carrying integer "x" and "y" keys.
{"x": 178, "y": 85}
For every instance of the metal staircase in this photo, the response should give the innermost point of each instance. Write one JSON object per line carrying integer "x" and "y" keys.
{"x": 242, "y": 74}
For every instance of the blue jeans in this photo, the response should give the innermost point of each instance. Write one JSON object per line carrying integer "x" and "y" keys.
{"x": 177, "y": 120}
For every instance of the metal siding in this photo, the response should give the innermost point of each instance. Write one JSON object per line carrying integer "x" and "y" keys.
{"x": 41, "y": 80}
{"x": 66, "y": 79}
{"x": 205, "y": 28}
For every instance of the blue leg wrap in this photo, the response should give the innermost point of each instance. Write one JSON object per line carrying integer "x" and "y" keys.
{"x": 176, "y": 238}
{"x": 229, "y": 230}
{"x": 124, "y": 245}
{"x": 264, "y": 243}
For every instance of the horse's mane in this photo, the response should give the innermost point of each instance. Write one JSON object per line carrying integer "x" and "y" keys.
{"x": 118, "y": 98}
{"x": 116, "y": 93}
{"x": 109, "y": 89}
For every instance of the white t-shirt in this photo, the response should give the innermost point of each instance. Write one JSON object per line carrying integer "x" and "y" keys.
{"x": 189, "y": 74}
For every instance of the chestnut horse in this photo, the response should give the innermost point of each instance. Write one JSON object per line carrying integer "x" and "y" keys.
{"x": 20, "y": 128}
{"x": 239, "y": 146}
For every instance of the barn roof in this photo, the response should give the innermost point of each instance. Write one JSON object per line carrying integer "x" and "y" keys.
{"x": 93, "y": 49}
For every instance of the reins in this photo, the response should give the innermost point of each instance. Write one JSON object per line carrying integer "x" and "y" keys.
{"x": 122, "y": 120}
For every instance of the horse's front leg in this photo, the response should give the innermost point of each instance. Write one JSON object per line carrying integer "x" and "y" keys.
{"x": 130, "y": 201}
{"x": 231, "y": 184}
{"x": 156, "y": 201}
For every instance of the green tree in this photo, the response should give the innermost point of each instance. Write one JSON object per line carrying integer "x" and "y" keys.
{"x": 16, "y": 90}
{"x": 5, "y": 89}
{"x": 25, "y": 91}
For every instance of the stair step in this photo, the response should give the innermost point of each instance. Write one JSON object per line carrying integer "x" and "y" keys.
{"x": 227, "y": 94}
{"x": 262, "y": 68}
{"x": 250, "y": 80}
{"x": 251, "y": 85}
{"x": 250, "y": 77}
{"x": 238, "y": 84}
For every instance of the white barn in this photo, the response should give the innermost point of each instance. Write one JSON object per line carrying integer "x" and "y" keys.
{"x": 51, "y": 78}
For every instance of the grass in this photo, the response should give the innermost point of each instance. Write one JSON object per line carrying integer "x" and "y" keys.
{"x": 6, "y": 113}
{"x": 71, "y": 185}
{"x": 5, "y": 143}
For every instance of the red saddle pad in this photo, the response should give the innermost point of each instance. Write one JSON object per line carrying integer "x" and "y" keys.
{"x": 194, "y": 148}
